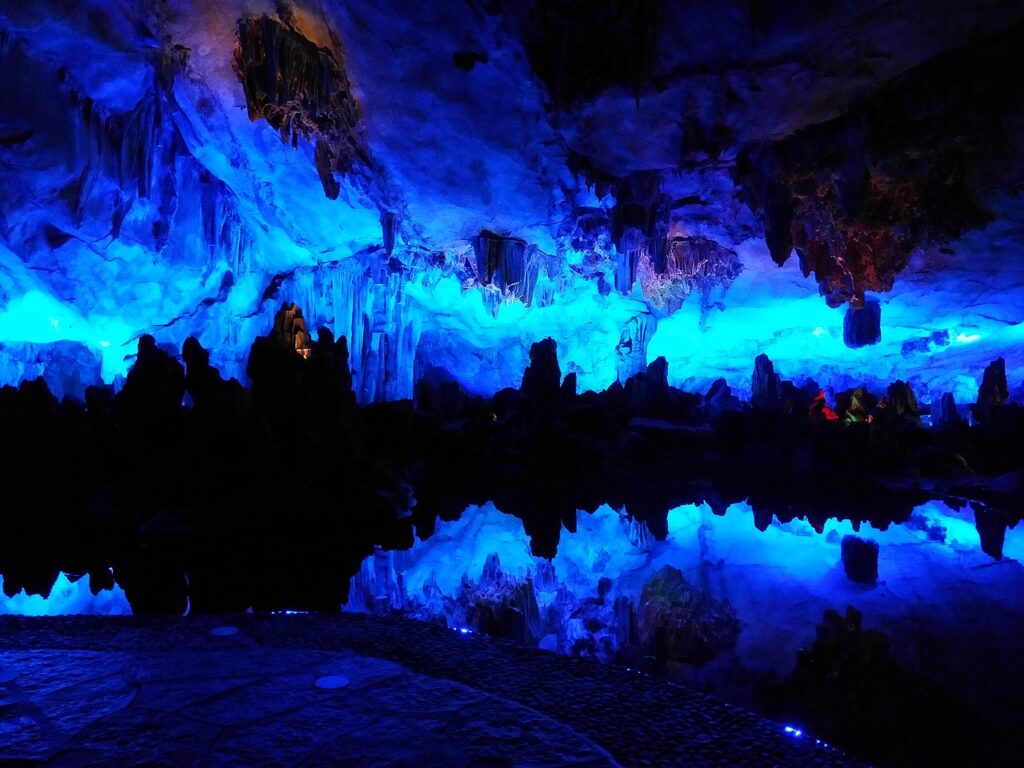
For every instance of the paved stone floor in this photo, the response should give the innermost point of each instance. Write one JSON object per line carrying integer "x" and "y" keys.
{"x": 347, "y": 690}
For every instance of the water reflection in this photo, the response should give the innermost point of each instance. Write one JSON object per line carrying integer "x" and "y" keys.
{"x": 728, "y": 608}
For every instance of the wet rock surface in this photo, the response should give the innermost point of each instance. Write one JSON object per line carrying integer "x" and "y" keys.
{"x": 172, "y": 692}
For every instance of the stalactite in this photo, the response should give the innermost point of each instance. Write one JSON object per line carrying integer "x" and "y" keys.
{"x": 302, "y": 91}
{"x": 389, "y": 229}
{"x": 693, "y": 264}
{"x": 361, "y": 299}
{"x": 631, "y": 351}
{"x": 508, "y": 263}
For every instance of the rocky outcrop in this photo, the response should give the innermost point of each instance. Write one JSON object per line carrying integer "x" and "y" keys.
{"x": 154, "y": 388}
{"x": 303, "y": 91}
{"x": 678, "y": 623}
{"x": 581, "y": 49}
{"x": 945, "y": 414}
{"x": 631, "y": 351}
{"x": 862, "y": 323}
{"x": 855, "y": 196}
{"x": 860, "y": 559}
{"x": 993, "y": 393}
{"x": 67, "y": 366}
{"x": 507, "y": 263}
{"x": 542, "y": 378}
{"x": 765, "y": 384}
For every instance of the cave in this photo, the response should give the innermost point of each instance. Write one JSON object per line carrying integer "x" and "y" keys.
{"x": 540, "y": 382}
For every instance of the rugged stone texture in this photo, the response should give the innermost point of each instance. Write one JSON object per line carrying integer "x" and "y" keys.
{"x": 154, "y": 388}
{"x": 580, "y": 49}
{"x": 945, "y": 415}
{"x": 991, "y": 530}
{"x": 631, "y": 351}
{"x": 68, "y": 367}
{"x": 860, "y": 559}
{"x": 679, "y": 623}
{"x": 765, "y": 384}
{"x": 543, "y": 377}
{"x": 862, "y": 325}
{"x": 303, "y": 92}
{"x": 859, "y": 194}
{"x": 681, "y": 266}
{"x": 902, "y": 402}
{"x": 415, "y": 691}
{"x": 847, "y": 684}
{"x": 507, "y": 263}
{"x": 992, "y": 394}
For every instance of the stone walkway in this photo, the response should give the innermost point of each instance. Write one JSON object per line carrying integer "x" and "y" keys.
{"x": 348, "y": 690}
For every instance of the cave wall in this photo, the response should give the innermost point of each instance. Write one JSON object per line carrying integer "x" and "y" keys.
{"x": 444, "y": 184}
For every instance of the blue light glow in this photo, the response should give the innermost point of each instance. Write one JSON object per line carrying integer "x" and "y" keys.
{"x": 67, "y": 597}
{"x": 200, "y": 236}
{"x": 779, "y": 581}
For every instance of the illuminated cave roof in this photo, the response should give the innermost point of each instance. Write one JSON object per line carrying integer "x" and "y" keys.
{"x": 184, "y": 167}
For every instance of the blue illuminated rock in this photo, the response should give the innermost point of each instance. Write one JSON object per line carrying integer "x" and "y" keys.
{"x": 67, "y": 366}
{"x": 863, "y": 326}
{"x": 372, "y": 179}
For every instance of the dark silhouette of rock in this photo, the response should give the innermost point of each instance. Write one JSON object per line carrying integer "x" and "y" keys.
{"x": 303, "y": 91}
{"x": 902, "y": 402}
{"x": 719, "y": 399}
{"x": 862, "y": 326}
{"x": 945, "y": 414}
{"x": 201, "y": 378}
{"x": 568, "y": 390}
{"x": 507, "y": 263}
{"x": 765, "y": 384}
{"x": 648, "y": 391}
{"x": 991, "y": 530}
{"x": 992, "y": 394}
{"x": 154, "y": 388}
{"x": 860, "y": 559}
{"x": 856, "y": 405}
{"x": 389, "y": 229}
{"x": 543, "y": 378}
{"x": 276, "y": 369}
{"x": 282, "y": 493}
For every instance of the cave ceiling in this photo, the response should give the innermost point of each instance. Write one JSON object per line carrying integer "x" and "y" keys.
{"x": 754, "y": 172}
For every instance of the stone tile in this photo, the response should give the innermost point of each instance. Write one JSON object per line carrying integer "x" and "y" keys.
{"x": 142, "y": 737}
{"x": 255, "y": 701}
{"x": 174, "y": 695}
{"x": 418, "y": 695}
{"x": 23, "y": 737}
{"x": 73, "y": 707}
{"x": 287, "y": 739}
{"x": 46, "y": 671}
